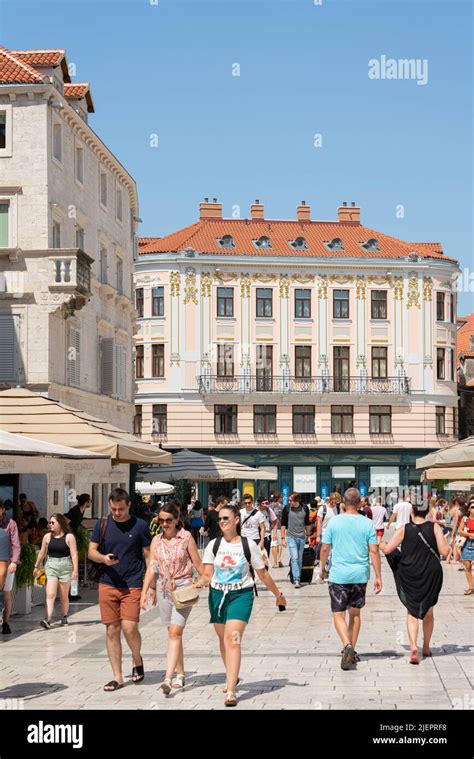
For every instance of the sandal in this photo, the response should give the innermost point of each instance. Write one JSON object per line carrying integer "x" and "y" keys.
{"x": 178, "y": 682}
{"x": 427, "y": 655}
{"x": 113, "y": 685}
{"x": 468, "y": 592}
{"x": 138, "y": 673}
{"x": 414, "y": 659}
{"x": 166, "y": 686}
{"x": 231, "y": 699}
{"x": 225, "y": 688}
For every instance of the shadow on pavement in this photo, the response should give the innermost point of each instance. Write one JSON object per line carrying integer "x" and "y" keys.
{"x": 29, "y": 691}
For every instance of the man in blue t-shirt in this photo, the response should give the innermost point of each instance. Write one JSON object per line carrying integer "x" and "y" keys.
{"x": 120, "y": 543}
{"x": 353, "y": 541}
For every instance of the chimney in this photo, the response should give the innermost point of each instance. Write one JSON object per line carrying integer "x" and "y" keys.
{"x": 303, "y": 212}
{"x": 256, "y": 210}
{"x": 209, "y": 210}
{"x": 345, "y": 213}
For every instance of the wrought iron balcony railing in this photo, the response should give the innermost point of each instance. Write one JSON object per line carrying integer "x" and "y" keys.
{"x": 246, "y": 384}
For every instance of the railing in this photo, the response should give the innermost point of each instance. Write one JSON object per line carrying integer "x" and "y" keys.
{"x": 243, "y": 384}
{"x": 71, "y": 270}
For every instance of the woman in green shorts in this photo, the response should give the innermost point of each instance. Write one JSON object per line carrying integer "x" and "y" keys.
{"x": 227, "y": 569}
{"x": 60, "y": 549}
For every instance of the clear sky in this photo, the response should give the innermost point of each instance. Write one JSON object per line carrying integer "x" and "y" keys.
{"x": 165, "y": 67}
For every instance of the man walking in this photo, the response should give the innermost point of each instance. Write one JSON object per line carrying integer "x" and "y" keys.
{"x": 401, "y": 513}
{"x": 353, "y": 540}
{"x": 120, "y": 544}
{"x": 271, "y": 524}
{"x": 252, "y": 522}
{"x": 295, "y": 522}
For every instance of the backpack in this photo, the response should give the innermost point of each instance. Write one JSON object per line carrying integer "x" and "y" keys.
{"x": 246, "y": 547}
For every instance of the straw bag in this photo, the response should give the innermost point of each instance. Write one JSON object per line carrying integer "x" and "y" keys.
{"x": 183, "y": 597}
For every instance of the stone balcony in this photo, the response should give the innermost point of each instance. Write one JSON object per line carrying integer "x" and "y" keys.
{"x": 69, "y": 279}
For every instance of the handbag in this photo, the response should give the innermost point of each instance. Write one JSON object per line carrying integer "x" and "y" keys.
{"x": 460, "y": 540}
{"x": 183, "y": 597}
{"x": 94, "y": 569}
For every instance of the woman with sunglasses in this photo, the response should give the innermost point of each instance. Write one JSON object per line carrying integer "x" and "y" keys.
{"x": 60, "y": 550}
{"x": 466, "y": 530}
{"x": 230, "y": 575}
{"x": 175, "y": 554}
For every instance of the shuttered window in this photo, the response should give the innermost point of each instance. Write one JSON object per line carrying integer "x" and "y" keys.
{"x": 3, "y": 225}
{"x": 107, "y": 365}
{"x": 74, "y": 357}
{"x": 119, "y": 371}
{"x": 9, "y": 353}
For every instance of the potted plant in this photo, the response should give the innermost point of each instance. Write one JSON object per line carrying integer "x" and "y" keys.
{"x": 24, "y": 579}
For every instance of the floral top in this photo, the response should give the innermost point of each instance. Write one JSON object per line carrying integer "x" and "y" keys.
{"x": 173, "y": 556}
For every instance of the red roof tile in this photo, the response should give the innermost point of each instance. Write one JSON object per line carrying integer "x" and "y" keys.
{"x": 203, "y": 236}
{"x": 45, "y": 58}
{"x": 465, "y": 335}
{"x": 79, "y": 90}
{"x": 13, "y": 70}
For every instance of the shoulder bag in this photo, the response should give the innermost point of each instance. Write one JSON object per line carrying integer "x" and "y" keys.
{"x": 420, "y": 534}
{"x": 460, "y": 540}
{"x": 183, "y": 597}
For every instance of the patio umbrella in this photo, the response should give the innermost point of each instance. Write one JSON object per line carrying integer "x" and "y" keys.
{"x": 457, "y": 454}
{"x": 198, "y": 467}
{"x": 461, "y": 485}
{"x": 154, "y": 488}
{"x": 24, "y": 455}
{"x": 25, "y": 413}
{"x": 448, "y": 473}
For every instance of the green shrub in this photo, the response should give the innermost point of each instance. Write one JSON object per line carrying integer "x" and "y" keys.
{"x": 24, "y": 571}
{"x": 82, "y": 540}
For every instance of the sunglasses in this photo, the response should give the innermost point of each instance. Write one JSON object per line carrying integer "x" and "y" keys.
{"x": 165, "y": 521}
{"x": 223, "y": 519}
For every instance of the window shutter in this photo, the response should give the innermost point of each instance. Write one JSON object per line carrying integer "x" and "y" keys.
{"x": 107, "y": 366}
{"x": 74, "y": 357}
{"x": 119, "y": 371}
{"x": 9, "y": 339}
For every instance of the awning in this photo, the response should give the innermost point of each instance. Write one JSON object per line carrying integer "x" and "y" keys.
{"x": 24, "y": 455}
{"x": 464, "y": 486}
{"x": 153, "y": 488}
{"x": 25, "y": 413}
{"x": 448, "y": 473}
{"x": 198, "y": 467}
{"x": 458, "y": 454}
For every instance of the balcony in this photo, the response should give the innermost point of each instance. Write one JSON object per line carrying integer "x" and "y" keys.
{"x": 286, "y": 385}
{"x": 70, "y": 272}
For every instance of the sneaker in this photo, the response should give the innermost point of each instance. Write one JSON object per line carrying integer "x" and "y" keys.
{"x": 347, "y": 660}
{"x": 64, "y": 621}
{"x": 6, "y": 629}
{"x": 46, "y": 624}
{"x": 296, "y": 584}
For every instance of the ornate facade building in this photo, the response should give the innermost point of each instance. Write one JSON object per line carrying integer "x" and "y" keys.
{"x": 322, "y": 348}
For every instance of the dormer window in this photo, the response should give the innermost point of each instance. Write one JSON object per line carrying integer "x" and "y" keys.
{"x": 299, "y": 243}
{"x": 336, "y": 245}
{"x": 262, "y": 242}
{"x": 226, "y": 242}
{"x": 371, "y": 246}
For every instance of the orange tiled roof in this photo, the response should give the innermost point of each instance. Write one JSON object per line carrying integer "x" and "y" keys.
{"x": 79, "y": 90}
{"x": 465, "y": 333}
{"x": 44, "y": 58}
{"x": 145, "y": 241}
{"x": 203, "y": 236}
{"x": 14, "y": 70}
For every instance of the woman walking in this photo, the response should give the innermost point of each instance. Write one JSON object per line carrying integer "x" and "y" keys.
{"x": 9, "y": 560}
{"x": 229, "y": 562}
{"x": 175, "y": 553}
{"x": 418, "y": 574}
{"x": 466, "y": 531}
{"x": 60, "y": 550}
{"x": 197, "y": 519}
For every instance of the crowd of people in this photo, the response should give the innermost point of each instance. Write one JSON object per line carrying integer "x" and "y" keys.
{"x": 139, "y": 563}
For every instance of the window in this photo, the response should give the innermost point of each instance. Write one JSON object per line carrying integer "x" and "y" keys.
{"x": 303, "y": 420}
{"x": 336, "y": 245}
{"x": 74, "y": 357}
{"x": 264, "y": 368}
{"x": 451, "y": 364}
{"x": 440, "y": 420}
{"x": 263, "y": 242}
{"x": 3, "y": 130}
{"x": 299, "y": 243}
{"x": 158, "y": 360}
{"x": 440, "y": 297}
{"x": 371, "y": 246}
{"x": 79, "y": 237}
{"x": 302, "y": 361}
{"x": 139, "y": 361}
{"x": 303, "y": 304}
{"x": 119, "y": 371}
{"x": 342, "y": 419}
{"x": 79, "y": 165}
{"x": 4, "y": 238}
{"x": 103, "y": 265}
{"x": 455, "y": 422}
{"x": 340, "y": 304}
{"x": 451, "y": 308}
{"x": 119, "y": 276}
{"x": 226, "y": 241}
{"x": 379, "y": 363}
{"x": 158, "y": 301}
{"x": 225, "y": 360}
{"x": 160, "y": 419}
{"x": 380, "y": 420}
{"x": 341, "y": 369}
{"x": 264, "y": 420}
{"x": 137, "y": 421}
{"x": 9, "y": 352}
{"x": 379, "y": 304}
{"x": 119, "y": 204}
{"x": 103, "y": 188}
{"x": 225, "y": 301}
{"x": 56, "y": 234}
{"x": 139, "y": 301}
{"x": 440, "y": 363}
{"x": 112, "y": 367}
{"x": 225, "y": 420}
{"x": 57, "y": 142}
{"x": 264, "y": 301}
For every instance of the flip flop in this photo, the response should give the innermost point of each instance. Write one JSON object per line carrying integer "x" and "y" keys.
{"x": 468, "y": 592}
{"x": 428, "y": 655}
{"x": 113, "y": 685}
{"x": 138, "y": 673}
{"x": 414, "y": 659}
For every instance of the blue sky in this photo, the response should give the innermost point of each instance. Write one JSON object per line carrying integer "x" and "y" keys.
{"x": 166, "y": 69}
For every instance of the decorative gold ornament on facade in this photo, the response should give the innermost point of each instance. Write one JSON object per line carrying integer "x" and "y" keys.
{"x": 413, "y": 293}
{"x": 427, "y": 288}
{"x": 190, "y": 289}
{"x": 398, "y": 288}
{"x": 225, "y": 277}
{"x": 361, "y": 284}
{"x": 340, "y": 279}
{"x": 428, "y": 361}
{"x": 323, "y": 287}
{"x": 303, "y": 279}
{"x": 244, "y": 285}
{"x": 266, "y": 278}
{"x": 379, "y": 279}
{"x": 206, "y": 282}
{"x": 284, "y": 286}
{"x": 175, "y": 283}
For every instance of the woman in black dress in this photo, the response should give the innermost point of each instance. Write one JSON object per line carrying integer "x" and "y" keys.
{"x": 418, "y": 574}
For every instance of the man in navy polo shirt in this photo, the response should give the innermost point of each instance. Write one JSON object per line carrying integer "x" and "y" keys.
{"x": 122, "y": 549}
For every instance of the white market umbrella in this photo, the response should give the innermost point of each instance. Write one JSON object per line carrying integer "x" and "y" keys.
{"x": 448, "y": 473}
{"x": 24, "y": 455}
{"x": 199, "y": 467}
{"x": 154, "y": 488}
{"x": 460, "y": 485}
{"x": 458, "y": 454}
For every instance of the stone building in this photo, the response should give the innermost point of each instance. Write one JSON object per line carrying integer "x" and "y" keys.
{"x": 466, "y": 375}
